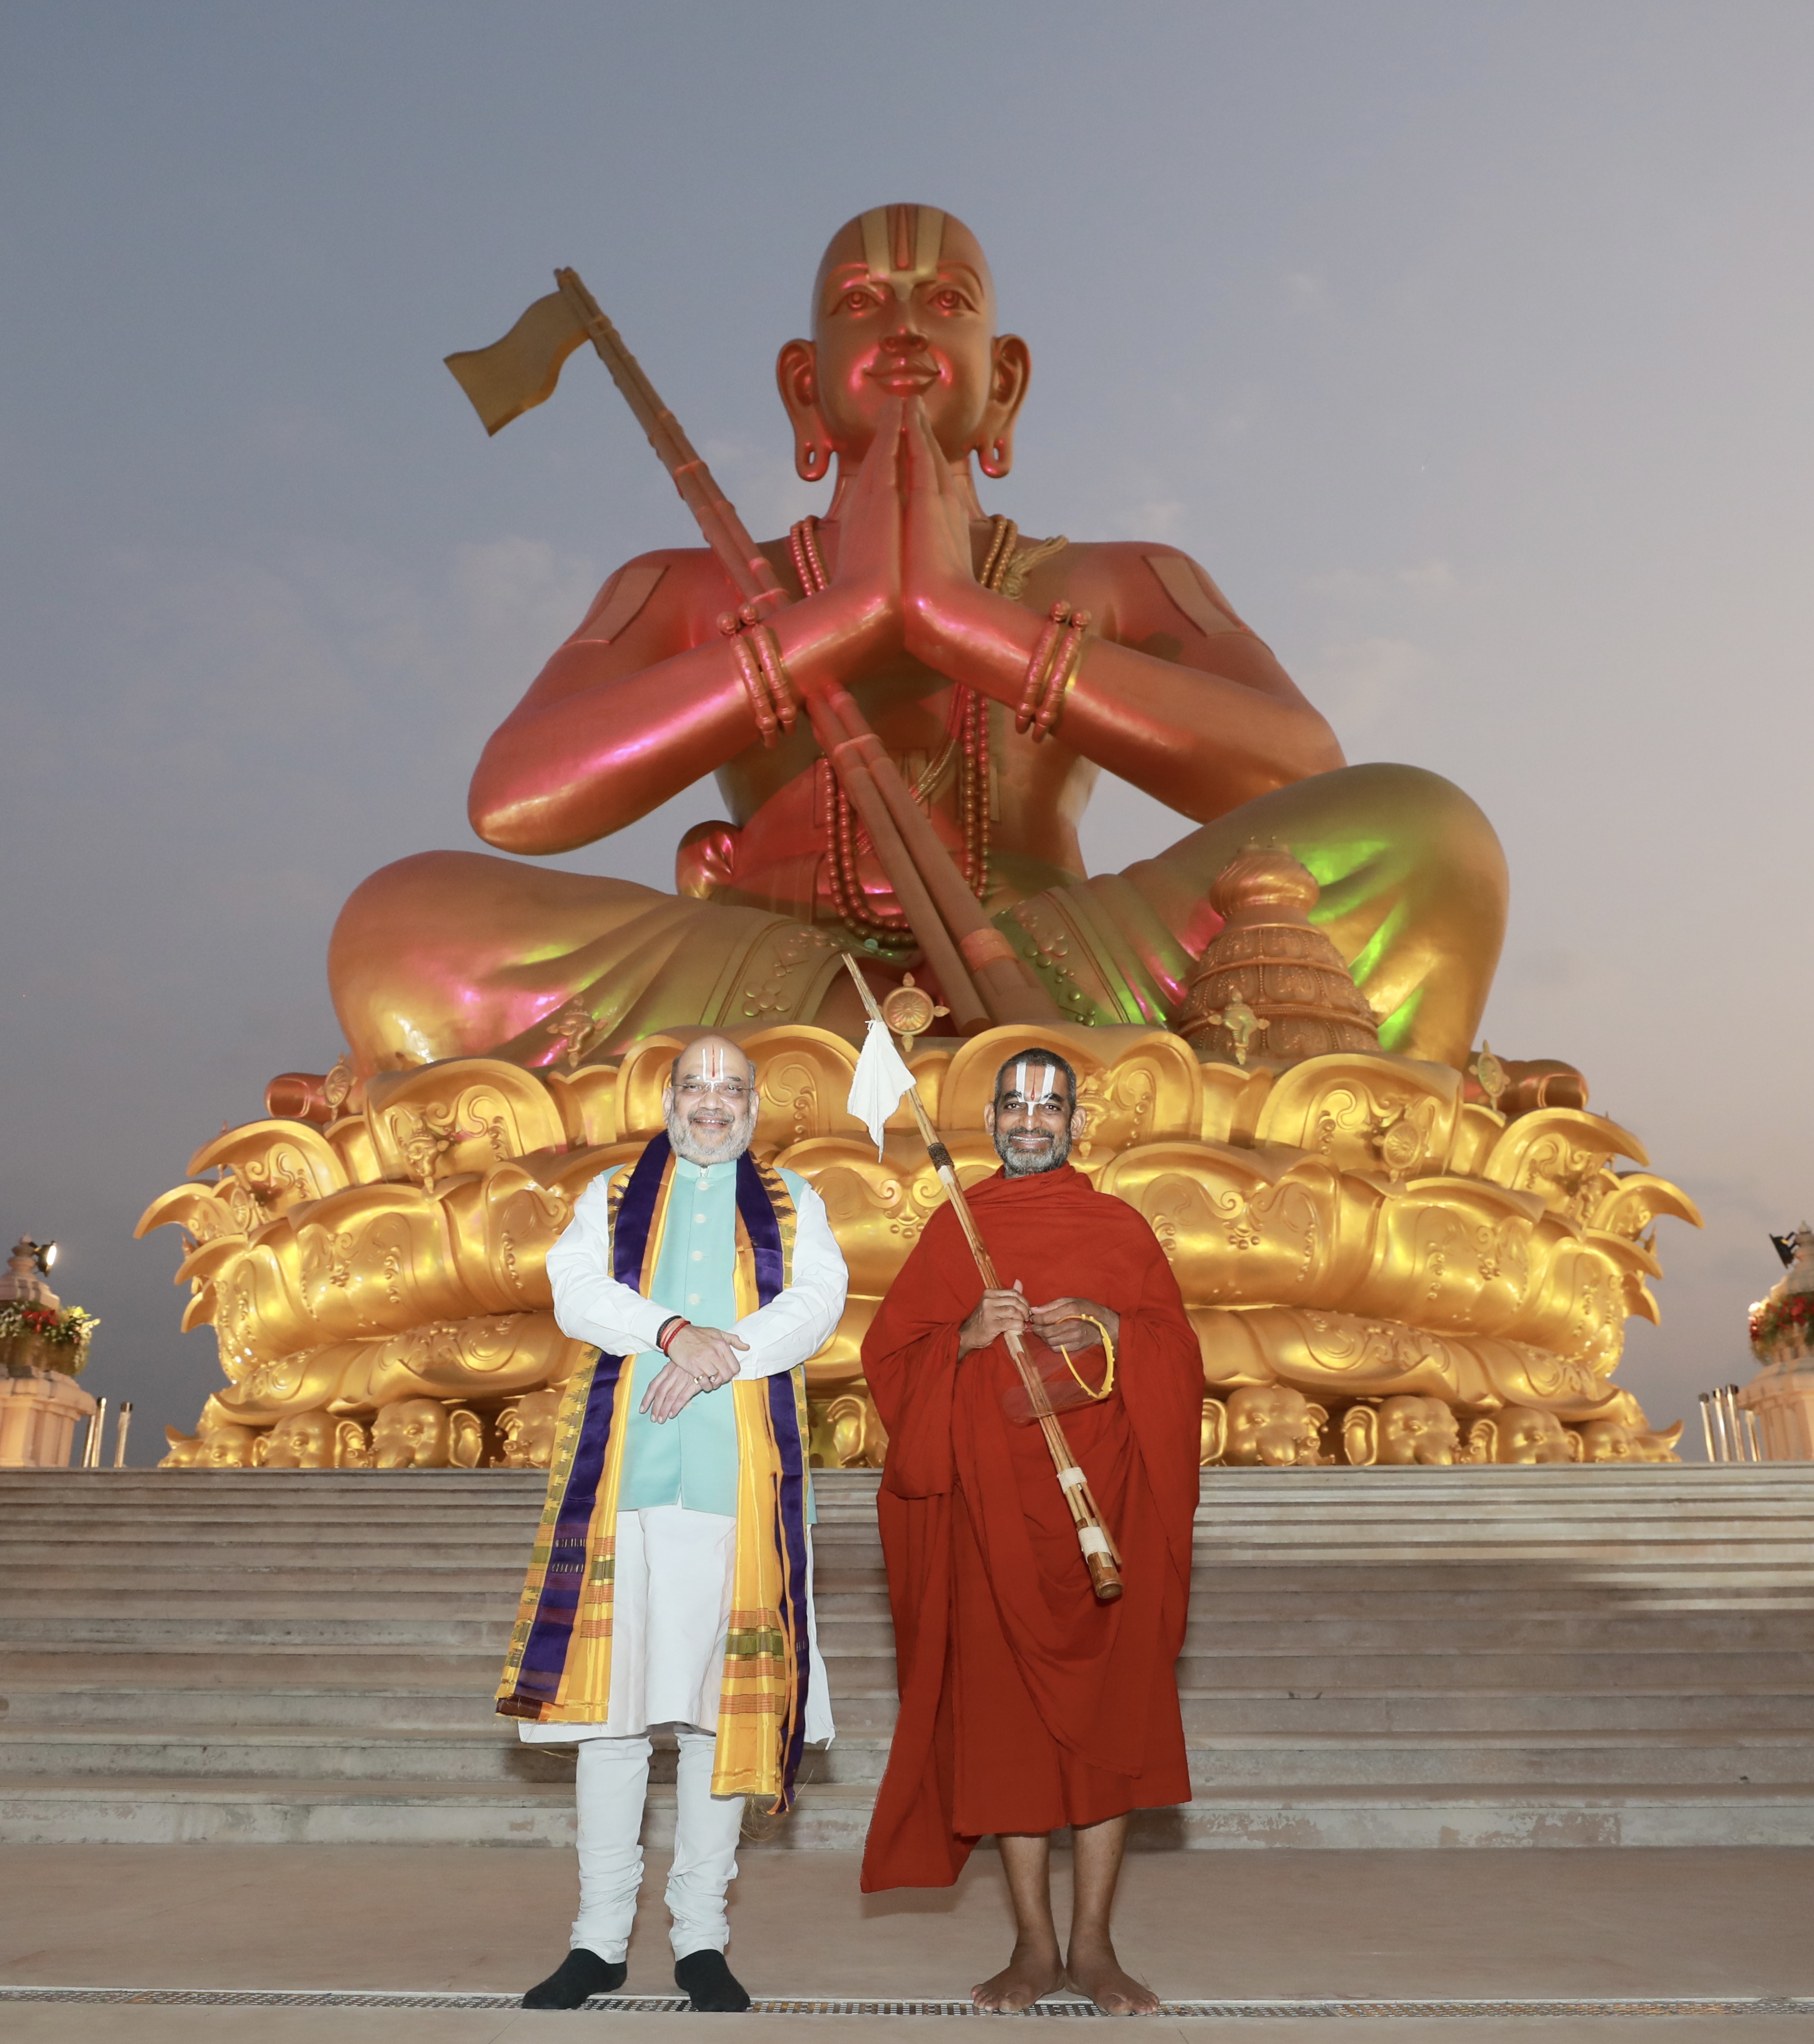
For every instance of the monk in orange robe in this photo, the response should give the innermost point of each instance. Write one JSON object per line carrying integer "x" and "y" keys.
{"x": 1026, "y": 1706}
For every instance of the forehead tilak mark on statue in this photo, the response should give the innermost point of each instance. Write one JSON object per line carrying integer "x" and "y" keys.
{"x": 901, "y": 246}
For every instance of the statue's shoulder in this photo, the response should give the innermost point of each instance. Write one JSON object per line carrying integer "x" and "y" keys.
{"x": 1137, "y": 586}
{"x": 671, "y": 584}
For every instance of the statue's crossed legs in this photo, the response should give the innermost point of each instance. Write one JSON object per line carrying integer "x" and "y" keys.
{"x": 462, "y": 954}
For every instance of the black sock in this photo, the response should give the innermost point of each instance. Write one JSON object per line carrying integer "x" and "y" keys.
{"x": 707, "y": 1983}
{"x": 581, "y": 1973}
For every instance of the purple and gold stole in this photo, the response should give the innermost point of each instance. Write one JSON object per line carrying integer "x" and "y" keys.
{"x": 559, "y": 1667}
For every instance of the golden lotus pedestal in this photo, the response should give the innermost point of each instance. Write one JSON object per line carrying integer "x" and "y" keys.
{"x": 1380, "y": 1270}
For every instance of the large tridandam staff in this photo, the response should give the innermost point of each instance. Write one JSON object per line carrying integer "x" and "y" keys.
{"x": 882, "y": 1080}
{"x": 976, "y": 966}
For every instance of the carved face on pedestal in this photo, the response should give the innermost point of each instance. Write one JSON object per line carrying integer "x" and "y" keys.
{"x": 1418, "y": 1430}
{"x": 527, "y": 1429}
{"x": 1271, "y": 1426}
{"x": 1402, "y": 1433}
{"x": 1521, "y": 1434}
{"x": 311, "y": 1440}
{"x": 421, "y": 1433}
{"x": 1607, "y": 1441}
{"x": 227, "y": 1447}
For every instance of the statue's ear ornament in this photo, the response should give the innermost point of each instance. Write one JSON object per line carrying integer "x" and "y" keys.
{"x": 1213, "y": 1441}
{"x": 997, "y": 458}
{"x": 812, "y": 463}
{"x": 466, "y": 1438}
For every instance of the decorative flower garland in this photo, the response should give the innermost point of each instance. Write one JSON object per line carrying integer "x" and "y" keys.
{"x": 71, "y": 1330}
{"x": 1784, "y": 1325}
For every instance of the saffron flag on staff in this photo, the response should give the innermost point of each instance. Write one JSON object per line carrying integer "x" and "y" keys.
{"x": 881, "y": 1081}
{"x": 514, "y": 375}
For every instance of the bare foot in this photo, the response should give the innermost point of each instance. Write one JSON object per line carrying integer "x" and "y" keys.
{"x": 1032, "y": 1972}
{"x": 1099, "y": 1975}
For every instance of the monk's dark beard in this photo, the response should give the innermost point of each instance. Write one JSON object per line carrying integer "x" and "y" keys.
{"x": 1026, "y": 1166}
{"x": 738, "y": 1141}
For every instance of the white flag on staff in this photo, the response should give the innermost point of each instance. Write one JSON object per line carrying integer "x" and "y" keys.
{"x": 881, "y": 1079}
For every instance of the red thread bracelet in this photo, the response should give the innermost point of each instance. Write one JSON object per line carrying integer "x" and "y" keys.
{"x": 670, "y": 1332}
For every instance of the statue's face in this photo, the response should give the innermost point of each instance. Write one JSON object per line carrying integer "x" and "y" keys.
{"x": 904, "y": 306}
{"x": 412, "y": 1434}
{"x": 710, "y": 1102}
{"x": 1418, "y": 1430}
{"x": 305, "y": 1440}
{"x": 1526, "y": 1435}
{"x": 227, "y": 1447}
{"x": 1270, "y": 1425}
{"x": 1606, "y": 1441}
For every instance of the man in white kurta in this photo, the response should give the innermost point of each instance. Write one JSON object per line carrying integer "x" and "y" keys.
{"x": 676, "y": 1521}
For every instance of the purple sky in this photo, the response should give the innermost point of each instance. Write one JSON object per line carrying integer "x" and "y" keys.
{"x": 1467, "y": 346}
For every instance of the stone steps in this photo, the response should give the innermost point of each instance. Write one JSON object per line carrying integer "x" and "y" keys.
{"x": 1376, "y": 1657}
{"x": 1598, "y": 1761}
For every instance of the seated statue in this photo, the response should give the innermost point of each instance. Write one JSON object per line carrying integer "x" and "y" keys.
{"x": 1381, "y": 1235}
{"x": 931, "y": 614}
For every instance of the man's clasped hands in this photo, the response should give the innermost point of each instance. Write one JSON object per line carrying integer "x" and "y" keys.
{"x": 1060, "y": 1323}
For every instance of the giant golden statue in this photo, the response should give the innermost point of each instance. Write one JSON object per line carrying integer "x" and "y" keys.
{"x": 1362, "y": 1221}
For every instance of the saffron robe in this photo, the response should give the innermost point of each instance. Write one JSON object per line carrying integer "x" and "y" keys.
{"x": 559, "y": 1668}
{"x": 1025, "y": 1704}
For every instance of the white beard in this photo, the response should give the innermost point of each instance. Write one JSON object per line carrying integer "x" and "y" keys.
{"x": 738, "y": 1141}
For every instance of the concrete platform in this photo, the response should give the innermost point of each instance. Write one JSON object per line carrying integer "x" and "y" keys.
{"x": 1339, "y": 1927}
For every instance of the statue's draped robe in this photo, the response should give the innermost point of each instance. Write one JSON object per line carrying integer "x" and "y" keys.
{"x": 559, "y": 1668}
{"x": 1025, "y": 1704}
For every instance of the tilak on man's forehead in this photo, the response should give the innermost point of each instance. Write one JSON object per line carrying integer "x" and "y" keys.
{"x": 1044, "y": 1080}
{"x": 901, "y": 246}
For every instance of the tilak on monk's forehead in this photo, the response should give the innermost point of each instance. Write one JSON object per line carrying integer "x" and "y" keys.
{"x": 1031, "y": 1080}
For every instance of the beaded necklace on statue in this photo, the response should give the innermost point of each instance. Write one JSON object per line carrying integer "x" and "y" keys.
{"x": 966, "y": 739}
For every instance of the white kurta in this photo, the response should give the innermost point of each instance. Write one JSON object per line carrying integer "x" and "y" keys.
{"x": 670, "y": 1606}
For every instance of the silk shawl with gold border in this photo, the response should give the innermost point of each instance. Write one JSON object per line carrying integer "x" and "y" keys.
{"x": 559, "y": 1668}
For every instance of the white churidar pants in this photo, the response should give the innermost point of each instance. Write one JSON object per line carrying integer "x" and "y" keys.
{"x": 670, "y": 1612}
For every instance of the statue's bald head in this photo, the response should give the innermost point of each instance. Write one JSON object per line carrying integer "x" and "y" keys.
{"x": 904, "y": 308}
{"x": 900, "y": 248}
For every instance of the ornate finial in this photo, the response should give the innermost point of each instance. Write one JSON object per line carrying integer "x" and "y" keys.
{"x": 1242, "y": 1024}
{"x": 1490, "y": 1074}
{"x": 1270, "y": 972}
{"x": 909, "y": 1011}
{"x": 578, "y": 1028}
{"x": 338, "y": 1084}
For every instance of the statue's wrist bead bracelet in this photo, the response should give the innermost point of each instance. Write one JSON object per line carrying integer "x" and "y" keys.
{"x": 774, "y": 703}
{"x": 1051, "y": 671}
